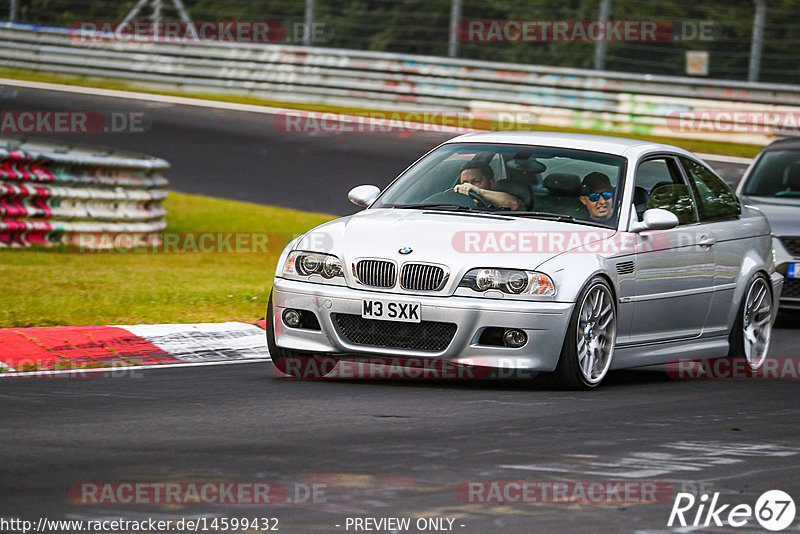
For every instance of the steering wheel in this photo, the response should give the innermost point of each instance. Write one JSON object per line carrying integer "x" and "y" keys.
{"x": 482, "y": 202}
{"x": 457, "y": 199}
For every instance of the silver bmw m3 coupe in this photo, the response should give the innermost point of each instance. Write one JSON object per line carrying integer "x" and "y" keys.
{"x": 562, "y": 255}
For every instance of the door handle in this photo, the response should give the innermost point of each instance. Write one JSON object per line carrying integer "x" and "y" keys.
{"x": 706, "y": 241}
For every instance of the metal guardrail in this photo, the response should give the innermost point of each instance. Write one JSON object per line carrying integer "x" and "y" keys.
{"x": 637, "y": 104}
{"x": 57, "y": 194}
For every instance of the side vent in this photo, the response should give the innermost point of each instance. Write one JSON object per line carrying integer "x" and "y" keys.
{"x": 625, "y": 267}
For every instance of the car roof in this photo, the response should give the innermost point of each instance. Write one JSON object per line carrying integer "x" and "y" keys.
{"x": 789, "y": 143}
{"x": 594, "y": 143}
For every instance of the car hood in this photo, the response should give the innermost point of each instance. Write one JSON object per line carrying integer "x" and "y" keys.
{"x": 450, "y": 238}
{"x": 783, "y": 213}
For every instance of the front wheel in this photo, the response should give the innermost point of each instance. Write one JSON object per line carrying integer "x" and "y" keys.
{"x": 752, "y": 329}
{"x": 292, "y": 363}
{"x": 589, "y": 343}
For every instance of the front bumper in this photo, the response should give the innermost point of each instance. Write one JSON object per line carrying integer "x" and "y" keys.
{"x": 544, "y": 322}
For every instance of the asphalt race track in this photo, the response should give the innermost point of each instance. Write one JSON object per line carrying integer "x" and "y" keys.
{"x": 243, "y": 156}
{"x": 240, "y": 155}
{"x": 396, "y": 448}
{"x": 381, "y": 448}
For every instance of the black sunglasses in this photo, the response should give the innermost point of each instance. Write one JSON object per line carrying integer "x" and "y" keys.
{"x": 594, "y": 197}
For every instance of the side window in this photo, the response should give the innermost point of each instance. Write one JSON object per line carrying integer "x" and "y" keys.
{"x": 715, "y": 199}
{"x": 498, "y": 166}
{"x": 653, "y": 172}
{"x": 659, "y": 185}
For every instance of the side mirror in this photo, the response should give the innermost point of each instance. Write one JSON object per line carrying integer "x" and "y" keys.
{"x": 655, "y": 219}
{"x": 363, "y": 195}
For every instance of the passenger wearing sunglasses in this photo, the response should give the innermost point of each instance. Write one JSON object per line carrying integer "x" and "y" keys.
{"x": 597, "y": 195}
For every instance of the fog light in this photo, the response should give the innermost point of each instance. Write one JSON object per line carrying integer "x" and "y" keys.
{"x": 291, "y": 318}
{"x": 514, "y": 338}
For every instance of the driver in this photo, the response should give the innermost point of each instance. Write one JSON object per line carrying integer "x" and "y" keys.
{"x": 597, "y": 194}
{"x": 479, "y": 177}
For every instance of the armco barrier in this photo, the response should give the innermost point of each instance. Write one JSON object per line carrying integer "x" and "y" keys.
{"x": 53, "y": 194}
{"x": 637, "y": 104}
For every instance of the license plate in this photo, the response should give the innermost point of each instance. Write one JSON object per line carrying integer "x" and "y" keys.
{"x": 793, "y": 270}
{"x": 390, "y": 310}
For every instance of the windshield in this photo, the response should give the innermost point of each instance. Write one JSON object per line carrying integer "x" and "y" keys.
{"x": 777, "y": 174}
{"x": 514, "y": 179}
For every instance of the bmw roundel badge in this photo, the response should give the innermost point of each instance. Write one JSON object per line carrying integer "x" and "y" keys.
{"x": 405, "y": 250}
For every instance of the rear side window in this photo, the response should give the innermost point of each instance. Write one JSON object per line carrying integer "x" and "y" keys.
{"x": 659, "y": 184}
{"x": 715, "y": 199}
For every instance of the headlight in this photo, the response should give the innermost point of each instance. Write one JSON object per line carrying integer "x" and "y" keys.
{"x": 515, "y": 282}
{"x": 308, "y": 263}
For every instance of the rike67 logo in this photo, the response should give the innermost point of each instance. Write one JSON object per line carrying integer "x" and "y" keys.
{"x": 774, "y": 510}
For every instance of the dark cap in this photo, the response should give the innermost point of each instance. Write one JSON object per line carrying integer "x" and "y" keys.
{"x": 595, "y": 182}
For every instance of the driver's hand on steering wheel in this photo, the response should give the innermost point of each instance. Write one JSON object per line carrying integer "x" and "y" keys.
{"x": 466, "y": 187}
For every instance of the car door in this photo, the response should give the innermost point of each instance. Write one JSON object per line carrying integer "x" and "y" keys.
{"x": 674, "y": 269}
{"x": 719, "y": 211}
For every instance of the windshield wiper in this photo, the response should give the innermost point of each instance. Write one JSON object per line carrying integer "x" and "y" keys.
{"x": 453, "y": 207}
{"x": 553, "y": 217}
{"x": 544, "y": 215}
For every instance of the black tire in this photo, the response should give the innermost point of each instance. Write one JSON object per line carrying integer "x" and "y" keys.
{"x": 293, "y": 363}
{"x": 752, "y": 329}
{"x": 569, "y": 373}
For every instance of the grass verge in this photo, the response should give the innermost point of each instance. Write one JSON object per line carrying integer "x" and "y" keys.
{"x": 50, "y": 287}
{"x": 707, "y": 147}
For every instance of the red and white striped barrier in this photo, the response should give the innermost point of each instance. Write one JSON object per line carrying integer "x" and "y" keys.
{"x": 51, "y": 193}
{"x": 75, "y": 348}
